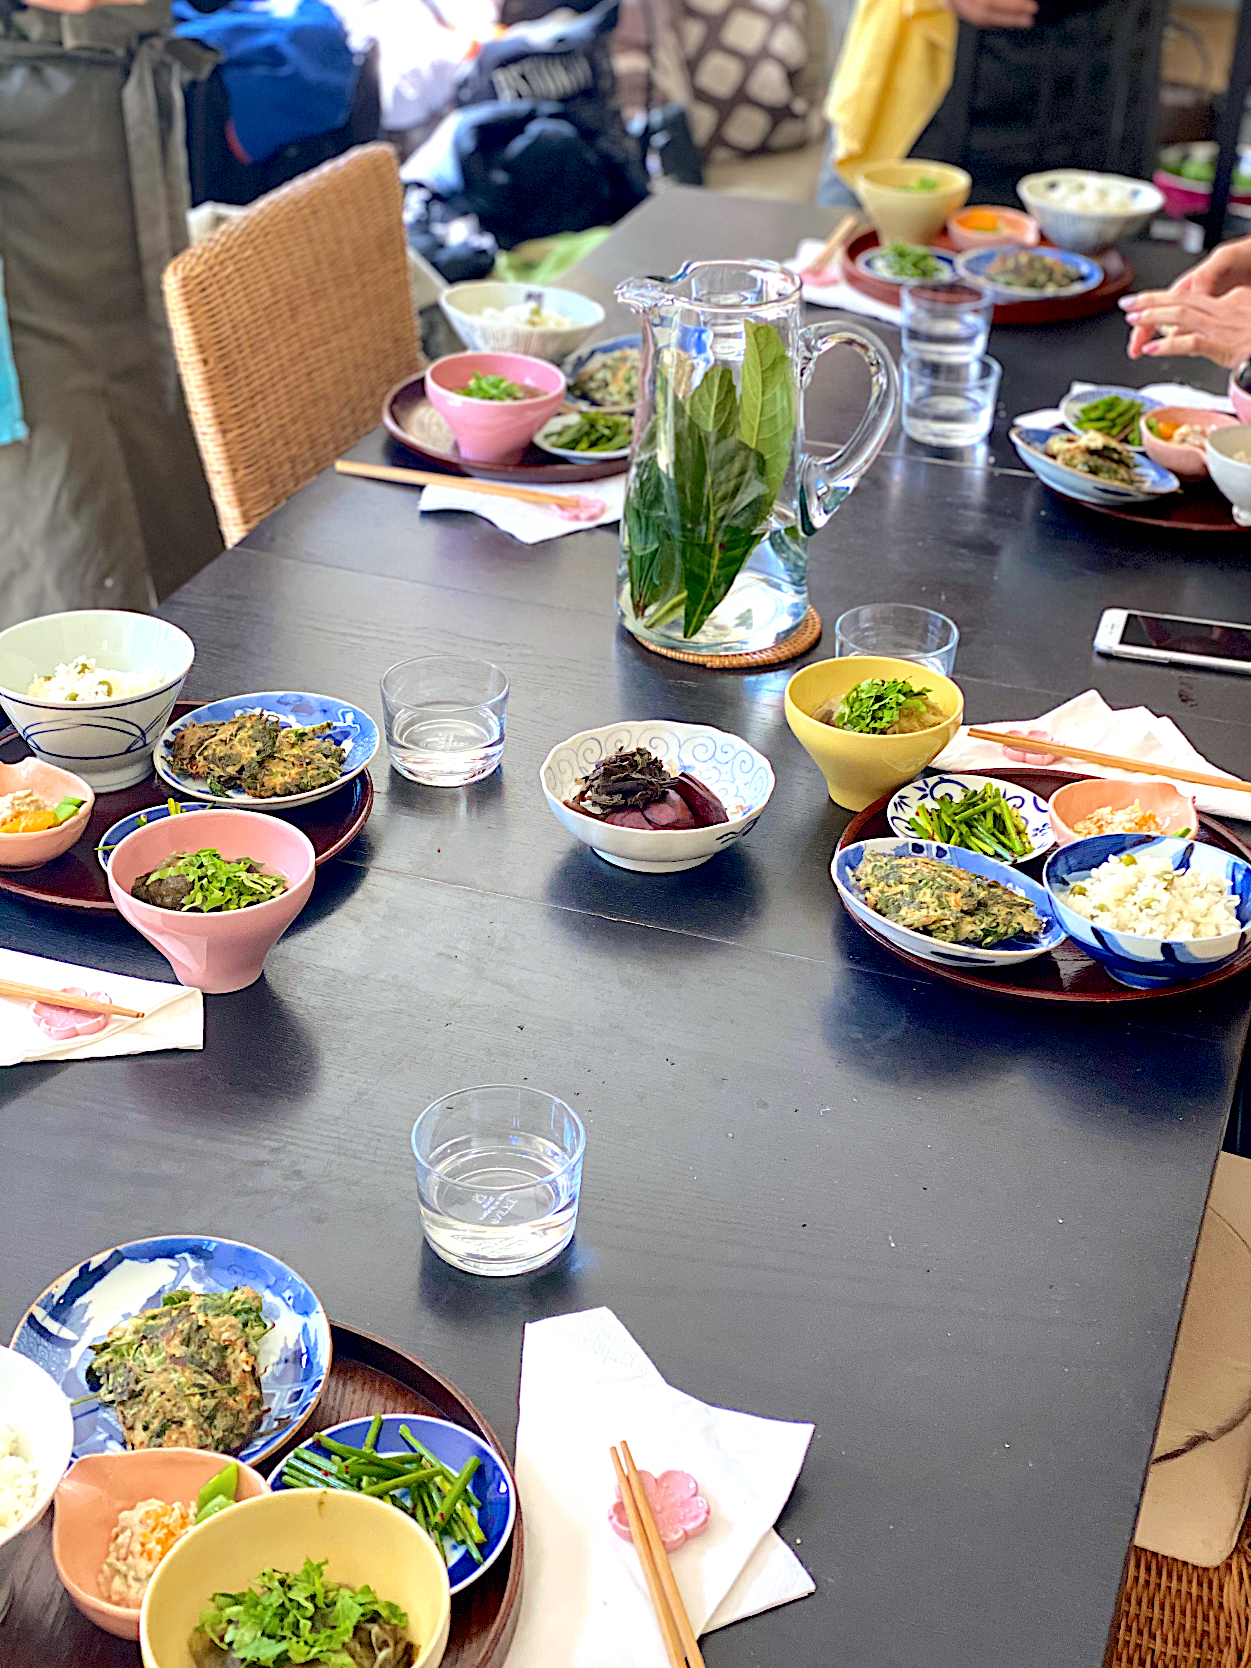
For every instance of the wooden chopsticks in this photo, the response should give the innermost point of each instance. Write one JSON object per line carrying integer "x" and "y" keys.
{"x": 838, "y": 237}
{"x": 60, "y": 999}
{"x": 466, "y": 483}
{"x": 1111, "y": 761}
{"x": 681, "y": 1644}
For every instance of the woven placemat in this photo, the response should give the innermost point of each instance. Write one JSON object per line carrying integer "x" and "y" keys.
{"x": 799, "y": 642}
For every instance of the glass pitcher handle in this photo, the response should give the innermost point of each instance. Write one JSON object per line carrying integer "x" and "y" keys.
{"x": 826, "y": 481}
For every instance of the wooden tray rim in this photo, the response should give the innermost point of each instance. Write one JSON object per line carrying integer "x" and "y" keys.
{"x": 1225, "y": 839}
{"x": 11, "y": 879}
{"x": 1154, "y": 523}
{"x": 1101, "y": 299}
{"x": 350, "y": 1343}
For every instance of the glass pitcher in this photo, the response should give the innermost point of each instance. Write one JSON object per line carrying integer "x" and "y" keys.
{"x": 722, "y": 498}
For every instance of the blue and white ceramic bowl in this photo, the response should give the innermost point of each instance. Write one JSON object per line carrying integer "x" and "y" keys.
{"x": 1071, "y": 406}
{"x": 1144, "y": 963}
{"x": 1011, "y": 954}
{"x": 354, "y": 730}
{"x": 113, "y": 837}
{"x": 574, "y": 366}
{"x": 941, "y": 784}
{"x": 1031, "y": 446}
{"x": 77, "y": 1311}
{"x": 492, "y": 1482}
{"x": 107, "y": 743}
{"x": 975, "y": 263}
{"x": 740, "y": 777}
{"x": 874, "y": 263}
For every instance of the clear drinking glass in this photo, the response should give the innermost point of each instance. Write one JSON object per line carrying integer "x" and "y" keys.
{"x": 444, "y": 719}
{"x": 499, "y": 1170}
{"x": 946, "y": 404}
{"x": 901, "y": 630}
{"x": 946, "y": 322}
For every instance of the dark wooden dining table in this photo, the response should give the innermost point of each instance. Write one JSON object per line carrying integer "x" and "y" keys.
{"x": 955, "y": 1233}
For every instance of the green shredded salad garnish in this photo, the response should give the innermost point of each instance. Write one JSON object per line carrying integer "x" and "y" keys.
{"x": 217, "y": 882}
{"x": 287, "y": 1618}
{"x": 873, "y": 706}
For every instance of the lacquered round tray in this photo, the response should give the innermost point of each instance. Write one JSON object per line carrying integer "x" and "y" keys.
{"x": 412, "y": 421}
{"x": 1068, "y": 974}
{"x": 1197, "y": 508}
{"x": 1118, "y": 276}
{"x": 76, "y": 880}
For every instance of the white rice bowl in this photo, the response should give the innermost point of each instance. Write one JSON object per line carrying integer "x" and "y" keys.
{"x": 1146, "y": 896}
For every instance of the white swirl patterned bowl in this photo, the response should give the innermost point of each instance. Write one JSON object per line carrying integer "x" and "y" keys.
{"x": 941, "y": 784}
{"x": 740, "y": 776}
{"x": 108, "y": 743}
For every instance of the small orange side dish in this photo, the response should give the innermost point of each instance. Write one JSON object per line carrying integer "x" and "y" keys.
{"x": 979, "y": 220}
{"x": 29, "y": 822}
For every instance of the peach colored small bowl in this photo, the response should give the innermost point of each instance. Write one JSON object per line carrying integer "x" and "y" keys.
{"x": 1188, "y": 462}
{"x": 1075, "y": 800}
{"x": 226, "y": 951}
{"x": 98, "y": 1487}
{"x": 494, "y": 431}
{"x": 28, "y": 851}
{"x": 1015, "y": 229}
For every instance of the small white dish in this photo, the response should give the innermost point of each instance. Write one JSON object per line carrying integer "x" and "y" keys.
{"x": 1231, "y": 475}
{"x": 33, "y": 1405}
{"x": 873, "y": 263}
{"x": 741, "y": 777}
{"x": 548, "y": 440}
{"x": 940, "y": 784}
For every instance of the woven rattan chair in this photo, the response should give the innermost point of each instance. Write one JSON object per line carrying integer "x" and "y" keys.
{"x": 1175, "y": 1615}
{"x": 290, "y": 324}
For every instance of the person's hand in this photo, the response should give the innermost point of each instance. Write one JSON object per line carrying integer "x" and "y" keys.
{"x": 77, "y": 6}
{"x": 995, "y": 14}
{"x": 1176, "y": 323}
{"x": 1228, "y": 267}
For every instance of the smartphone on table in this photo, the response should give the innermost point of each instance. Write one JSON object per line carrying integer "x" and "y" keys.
{"x": 1174, "y": 640}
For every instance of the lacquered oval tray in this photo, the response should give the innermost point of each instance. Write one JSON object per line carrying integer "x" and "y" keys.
{"x": 412, "y": 421}
{"x": 1197, "y": 508}
{"x": 1118, "y": 276}
{"x": 76, "y": 880}
{"x": 1068, "y": 974}
{"x": 370, "y": 1376}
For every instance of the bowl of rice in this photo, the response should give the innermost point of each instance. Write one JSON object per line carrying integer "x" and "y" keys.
{"x": 491, "y": 317}
{"x": 1154, "y": 911}
{"x": 36, "y": 1441}
{"x": 1085, "y": 211}
{"x": 91, "y": 690}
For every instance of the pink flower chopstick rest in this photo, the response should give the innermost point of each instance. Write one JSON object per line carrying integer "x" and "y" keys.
{"x": 677, "y": 1505}
{"x": 63, "y": 1023}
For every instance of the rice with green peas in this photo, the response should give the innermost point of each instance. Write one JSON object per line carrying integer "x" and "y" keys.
{"x": 1148, "y": 897}
{"x": 19, "y": 1480}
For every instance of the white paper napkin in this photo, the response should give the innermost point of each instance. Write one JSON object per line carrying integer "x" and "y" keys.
{"x": 585, "y": 1384}
{"x": 1088, "y": 721}
{"x": 1168, "y": 393}
{"x": 174, "y": 1014}
{"x": 531, "y": 523}
{"x": 834, "y": 291}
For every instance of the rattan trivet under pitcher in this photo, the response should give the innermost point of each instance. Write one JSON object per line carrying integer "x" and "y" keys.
{"x": 799, "y": 642}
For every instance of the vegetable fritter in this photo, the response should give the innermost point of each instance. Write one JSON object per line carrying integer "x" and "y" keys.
{"x": 944, "y": 902}
{"x": 253, "y": 752}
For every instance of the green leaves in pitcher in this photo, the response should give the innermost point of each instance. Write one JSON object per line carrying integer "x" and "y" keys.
{"x": 708, "y": 470}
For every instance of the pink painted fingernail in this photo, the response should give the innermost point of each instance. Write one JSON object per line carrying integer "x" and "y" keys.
{"x": 1154, "y": 347}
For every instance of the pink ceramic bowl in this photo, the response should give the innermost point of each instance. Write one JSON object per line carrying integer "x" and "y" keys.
{"x": 494, "y": 431}
{"x": 1075, "y": 800}
{"x": 1188, "y": 462}
{"x": 28, "y": 851}
{"x": 1241, "y": 399}
{"x": 215, "y": 952}
{"x": 98, "y": 1487}
{"x": 1015, "y": 229}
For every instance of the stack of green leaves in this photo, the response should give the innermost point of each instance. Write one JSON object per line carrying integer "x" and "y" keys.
{"x": 439, "y": 1498}
{"x": 707, "y": 471}
{"x": 288, "y": 1618}
{"x": 982, "y": 820}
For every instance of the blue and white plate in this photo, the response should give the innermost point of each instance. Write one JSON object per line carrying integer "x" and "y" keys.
{"x": 873, "y": 263}
{"x": 549, "y": 436}
{"x": 574, "y": 366}
{"x": 973, "y": 265}
{"x": 1143, "y": 963}
{"x": 113, "y": 837}
{"x": 78, "y": 1310}
{"x": 354, "y": 730}
{"x": 940, "y": 784}
{"x": 1074, "y": 403}
{"x": 492, "y": 1482}
{"x": 1031, "y": 447}
{"x": 1010, "y": 954}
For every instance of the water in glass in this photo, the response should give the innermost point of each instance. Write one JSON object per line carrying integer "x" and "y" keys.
{"x": 444, "y": 719}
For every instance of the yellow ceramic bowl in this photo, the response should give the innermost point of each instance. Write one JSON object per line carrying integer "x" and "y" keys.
{"x": 361, "y": 1539}
{"x": 859, "y": 769}
{"x": 914, "y": 216}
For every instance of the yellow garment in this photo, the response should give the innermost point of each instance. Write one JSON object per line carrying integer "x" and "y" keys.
{"x": 893, "y": 73}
